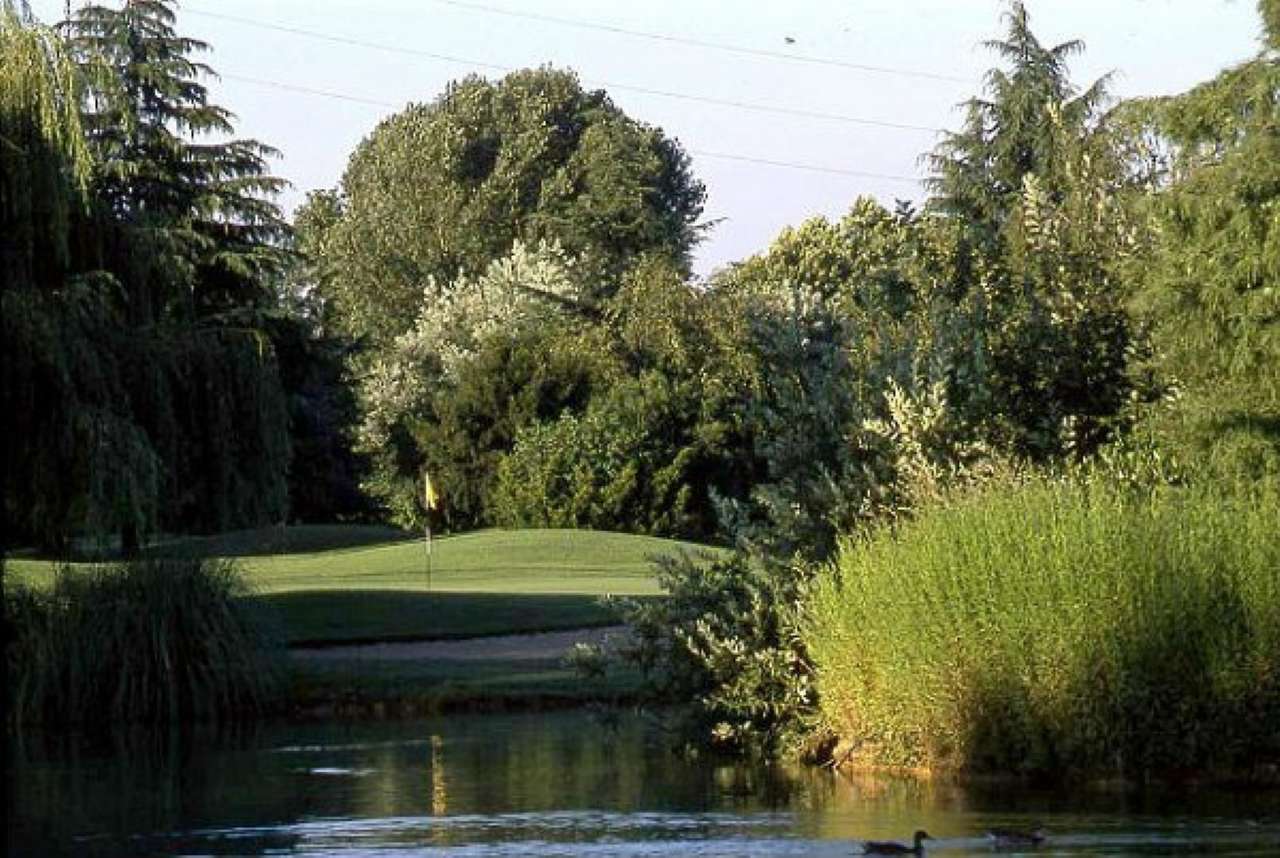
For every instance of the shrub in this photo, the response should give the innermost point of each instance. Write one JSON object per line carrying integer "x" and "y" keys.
{"x": 1051, "y": 626}
{"x": 727, "y": 638}
{"x": 152, "y": 640}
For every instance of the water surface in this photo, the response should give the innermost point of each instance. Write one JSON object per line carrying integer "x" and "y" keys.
{"x": 550, "y": 785}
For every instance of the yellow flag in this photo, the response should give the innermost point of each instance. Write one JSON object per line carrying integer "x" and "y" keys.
{"x": 429, "y": 497}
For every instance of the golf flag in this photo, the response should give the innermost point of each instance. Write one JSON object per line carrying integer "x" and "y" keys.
{"x": 430, "y": 499}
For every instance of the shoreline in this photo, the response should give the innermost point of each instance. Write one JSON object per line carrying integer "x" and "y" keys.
{"x": 496, "y": 673}
{"x": 1263, "y": 775}
{"x": 530, "y": 646}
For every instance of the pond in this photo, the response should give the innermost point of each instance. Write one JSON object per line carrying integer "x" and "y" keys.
{"x": 561, "y": 784}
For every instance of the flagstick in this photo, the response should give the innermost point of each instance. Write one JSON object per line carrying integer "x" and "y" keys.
{"x": 429, "y": 501}
{"x": 427, "y": 528}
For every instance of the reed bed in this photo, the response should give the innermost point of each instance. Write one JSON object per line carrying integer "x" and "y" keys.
{"x": 1059, "y": 627}
{"x": 156, "y": 640}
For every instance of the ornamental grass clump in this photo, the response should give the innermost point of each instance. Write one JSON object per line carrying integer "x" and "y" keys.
{"x": 155, "y": 640}
{"x": 1059, "y": 627}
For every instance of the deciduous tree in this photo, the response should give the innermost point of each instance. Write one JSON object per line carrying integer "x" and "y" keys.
{"x": 442, "y": 189}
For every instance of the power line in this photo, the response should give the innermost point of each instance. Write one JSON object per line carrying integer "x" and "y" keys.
{"x": 793, "y": 165}
{"x": 306, "y": 90}
{"x": 810, "y": 167}
{"x": 344, "y": 40}
{"x": 740, "y": 105}
{"x": 699, "y": 43}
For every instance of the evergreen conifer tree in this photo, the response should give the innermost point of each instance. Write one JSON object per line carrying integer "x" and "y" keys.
{"x": 1014, "y": 131}
{"x": 1028, "y": 183}
{"x": 202, "y": 203}
{"x": 1212, "y": 285}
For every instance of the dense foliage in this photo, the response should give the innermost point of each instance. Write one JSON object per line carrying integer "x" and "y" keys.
{"x": 728, "y": 638}
{"x": 445, "y": 398}
{"x": 999, "y": 325}
{"x": 155, "y": 640}
{"x": 1048, "y": 626}
{"x": 1051, "y": 626}
{"x": 1211, "y": 286}
{"x": 441, "y": 190}
{"x": 1030, "y": 183}
{"x": 134, "y": 368}
{"x": 490, "y": 321}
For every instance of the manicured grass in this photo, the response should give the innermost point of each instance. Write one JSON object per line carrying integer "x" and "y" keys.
{"x": 262, "y": 541}
{"x": 488, "y": 582}
{"x": 492, "y": 561}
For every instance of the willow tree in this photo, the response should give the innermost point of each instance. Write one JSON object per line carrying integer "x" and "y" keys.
{"x": 122, "y": 414}
{"x": 1212, "y": 285}
{"x": 44, "y": 162}
{"x": 74, "y": 459}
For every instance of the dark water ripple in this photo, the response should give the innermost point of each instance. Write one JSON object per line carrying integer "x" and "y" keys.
{"x": 551, "y": 785}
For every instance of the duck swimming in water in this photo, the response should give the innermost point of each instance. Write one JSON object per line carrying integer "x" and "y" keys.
{"x": 1013, "y": 838}
{"x": 892, "y": 847}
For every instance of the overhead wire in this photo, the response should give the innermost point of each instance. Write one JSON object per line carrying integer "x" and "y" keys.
{"x": 701, "y": 43}
{"x": 727, "y": 156}
{"x": 741, "y": 105}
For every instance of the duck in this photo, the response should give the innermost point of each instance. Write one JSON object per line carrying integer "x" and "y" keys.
{"x": 1012, "y": 838}
{"x": 892, "y": 847}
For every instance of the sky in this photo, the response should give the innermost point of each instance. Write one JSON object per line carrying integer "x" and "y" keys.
{"x": 879, "y": 79}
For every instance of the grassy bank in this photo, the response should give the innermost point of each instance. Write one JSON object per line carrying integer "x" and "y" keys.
{"x": 1050, "y": 628}
{"x": 489, "y": 582}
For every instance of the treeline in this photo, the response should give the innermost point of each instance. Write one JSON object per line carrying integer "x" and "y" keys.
{"x": 513, "y": 258}
{"x": 153, "y": 377}
{"x": 497, "y": 296}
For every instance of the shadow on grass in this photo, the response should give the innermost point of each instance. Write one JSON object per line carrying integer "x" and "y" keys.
{"x": 258, "y": 542}
{"x": 268, "y": 541}
{"x": 320, "y": 617}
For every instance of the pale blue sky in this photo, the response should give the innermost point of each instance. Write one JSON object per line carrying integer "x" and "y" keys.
{"x": 1154, "y": 46}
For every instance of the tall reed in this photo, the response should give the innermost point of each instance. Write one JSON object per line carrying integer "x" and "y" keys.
{"x": 1056, "y": 626}
{"x": 152, "y": 640}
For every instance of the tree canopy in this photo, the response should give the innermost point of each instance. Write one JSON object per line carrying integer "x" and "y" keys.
{"x": 1211, "y": 287}
{"x": 203, "y": 206}
{"x": 133, "y": 373}
{"x": 442, "y": 189}
{"x": 44, "y": 161}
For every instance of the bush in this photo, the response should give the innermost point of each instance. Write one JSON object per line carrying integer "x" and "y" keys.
{"x": 153, "y": 640}
{"x": 1054, "y": 626}
{"x": 727, "y": 639}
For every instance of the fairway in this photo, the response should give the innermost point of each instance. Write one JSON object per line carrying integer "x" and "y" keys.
{"x": 484, "y": 583}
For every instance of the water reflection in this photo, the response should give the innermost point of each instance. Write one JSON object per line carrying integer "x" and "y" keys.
{"x": 557, "y": 784}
